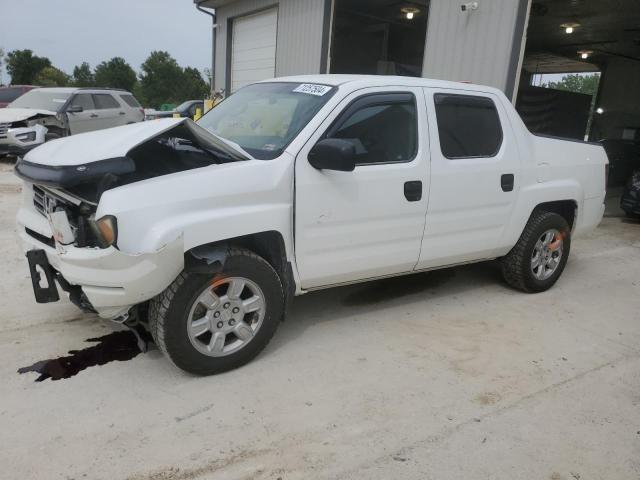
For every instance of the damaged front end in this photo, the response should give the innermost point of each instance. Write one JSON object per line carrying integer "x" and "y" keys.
{"x": 87, "y": 165}
{"x": 21, "y": 132}
{"x": 65, "y": 181}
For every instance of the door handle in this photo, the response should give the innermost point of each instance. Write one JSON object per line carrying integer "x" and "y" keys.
{"x": 121, "y": 113}
{"x": 413, "y": 190}
{"x": 506, "y": 182}
{"x": 93, "y": 115}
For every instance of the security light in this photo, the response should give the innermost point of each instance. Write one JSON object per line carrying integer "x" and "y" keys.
{"x": 409, "y": 12}
{"x": 584, "y": 54}
{"x": 570, "y": 27}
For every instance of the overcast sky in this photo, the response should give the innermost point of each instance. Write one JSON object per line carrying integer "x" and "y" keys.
{"x": 72, "y": 31}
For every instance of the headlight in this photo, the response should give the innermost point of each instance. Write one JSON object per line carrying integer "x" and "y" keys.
{"x": 26, "y": 137}
{"x": 106, "y": 229}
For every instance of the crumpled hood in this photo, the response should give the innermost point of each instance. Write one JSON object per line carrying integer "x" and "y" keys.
{"x": 10, "y": 115}
{"x": 98, "y": 145}
{"x": 94, "y": 162}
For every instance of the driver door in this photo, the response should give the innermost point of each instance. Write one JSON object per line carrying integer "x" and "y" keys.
{"x": 366, "y": 223}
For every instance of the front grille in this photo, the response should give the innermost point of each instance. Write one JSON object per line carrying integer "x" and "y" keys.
{"x": 4, "y": 128}
{"x": 39, "y": 200}
{"x": 47, "y": 202}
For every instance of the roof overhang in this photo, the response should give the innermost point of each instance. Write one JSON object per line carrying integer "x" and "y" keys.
{"x": 213, "y": 3}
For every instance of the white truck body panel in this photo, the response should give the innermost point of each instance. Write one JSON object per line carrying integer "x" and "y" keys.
{"x": 337, "y": 227}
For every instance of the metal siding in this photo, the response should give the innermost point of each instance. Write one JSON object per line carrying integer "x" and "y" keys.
{"x": 474, "y": 46}
{"x": 299, "y": 36}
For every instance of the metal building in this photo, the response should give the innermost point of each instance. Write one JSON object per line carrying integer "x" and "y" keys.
{"x": 503, "y": 43}
{"x": 257, "y": 38}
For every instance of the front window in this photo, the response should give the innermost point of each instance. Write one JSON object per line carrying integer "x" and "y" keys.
{"x": 41, "y": 100}
{"x": 382, "y": 127}
{"x": 265, "y": 117}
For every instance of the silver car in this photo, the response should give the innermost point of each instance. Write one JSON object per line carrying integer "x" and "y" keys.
{"x": 44, "y": 114}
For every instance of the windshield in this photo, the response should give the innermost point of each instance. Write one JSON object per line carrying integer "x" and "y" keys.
{"x": 41, "y": 100}
{"x": 263, "y": 118}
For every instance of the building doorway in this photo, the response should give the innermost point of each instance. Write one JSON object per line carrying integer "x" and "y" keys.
{"x": 378, "y": 37}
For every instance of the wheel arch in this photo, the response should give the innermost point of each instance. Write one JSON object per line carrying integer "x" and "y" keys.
{"x": 270, "y": 245}
{"x": 567, "y": 209}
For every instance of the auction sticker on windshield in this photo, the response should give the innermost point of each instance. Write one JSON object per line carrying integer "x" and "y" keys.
{"x": 312, "y": 89}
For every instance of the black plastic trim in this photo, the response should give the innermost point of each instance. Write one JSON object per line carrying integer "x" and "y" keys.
{"x": 48, "y": 241}
{"x": 38, "y": 258}
{"x": 65, "y": 176}
{"x": 575, "y": 140}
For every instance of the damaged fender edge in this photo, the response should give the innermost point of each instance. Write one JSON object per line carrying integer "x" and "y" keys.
{"x": 113, "y": 281}
{"x": 206, "y": 259}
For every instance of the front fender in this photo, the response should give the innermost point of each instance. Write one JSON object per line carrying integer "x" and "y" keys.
{"x": 204, "y": 205}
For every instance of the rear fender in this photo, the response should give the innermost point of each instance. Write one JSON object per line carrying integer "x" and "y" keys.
{"x": 531, "y": 196}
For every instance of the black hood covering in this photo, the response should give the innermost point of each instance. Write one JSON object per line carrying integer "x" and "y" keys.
{"x": 175, "y": 150}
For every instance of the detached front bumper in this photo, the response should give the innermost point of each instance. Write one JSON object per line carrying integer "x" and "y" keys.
{"x": 18, "y": 141}
{"x": 112, "y": 281}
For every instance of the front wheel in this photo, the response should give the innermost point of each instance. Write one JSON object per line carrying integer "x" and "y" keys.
{"x": 209, "y": 324}
{"x": 538, "y": 259}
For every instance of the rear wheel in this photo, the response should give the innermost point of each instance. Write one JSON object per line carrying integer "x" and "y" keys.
{"x": 538, "y": 259}
{"x": 209, "y": 324}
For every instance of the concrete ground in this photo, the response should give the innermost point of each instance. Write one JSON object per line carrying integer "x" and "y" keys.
{"x": 448, "y": 375}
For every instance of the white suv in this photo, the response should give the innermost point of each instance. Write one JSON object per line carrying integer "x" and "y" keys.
{"x": 47, "y": 113}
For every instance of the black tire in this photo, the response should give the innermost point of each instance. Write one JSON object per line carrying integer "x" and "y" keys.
{"x": 516, "y": 265}
{"x": 633, "y": 216}
{"x": 169, "y": 312}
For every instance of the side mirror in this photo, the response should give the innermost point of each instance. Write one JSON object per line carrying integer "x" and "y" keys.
{"x": 333, "y": 154}
{"x": 74, "y": 109}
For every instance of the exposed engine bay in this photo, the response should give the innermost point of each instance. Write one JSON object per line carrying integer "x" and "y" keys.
{"x": 76, "y": 189}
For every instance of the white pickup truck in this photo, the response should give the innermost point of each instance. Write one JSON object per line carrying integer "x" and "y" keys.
{"x": 205, "y": 232}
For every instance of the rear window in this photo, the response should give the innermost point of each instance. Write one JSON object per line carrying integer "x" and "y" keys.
{"x": 104, "y": 100}
{"x": 9, "y": 94}
{"x": 468, "y": 126}
{"x": 130, "y": 100}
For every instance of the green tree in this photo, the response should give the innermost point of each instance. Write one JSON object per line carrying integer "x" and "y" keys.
{"x": 115, "y": 73}
{"x": 193, "y": 85}
{"x": 52, "y": 77}
{"x": 160, "y": 80}
{"x": 577, "y": 83}
{"x": 23, "y": 66}
{"x": 83, "y": 76}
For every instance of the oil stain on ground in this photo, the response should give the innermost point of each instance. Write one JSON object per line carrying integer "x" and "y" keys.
{"x": 120, "y": 346}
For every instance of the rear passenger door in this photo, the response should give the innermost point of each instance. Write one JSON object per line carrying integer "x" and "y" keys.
{"x": 475, "y": 172}
{"x": 110, "y": 112}
{"x": 368, "y": 222}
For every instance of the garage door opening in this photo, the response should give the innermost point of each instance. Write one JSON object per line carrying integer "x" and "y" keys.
{"x": 564, "y": 38}
{"x": 382, "y": 37}
{"x": 253, "y": 48}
